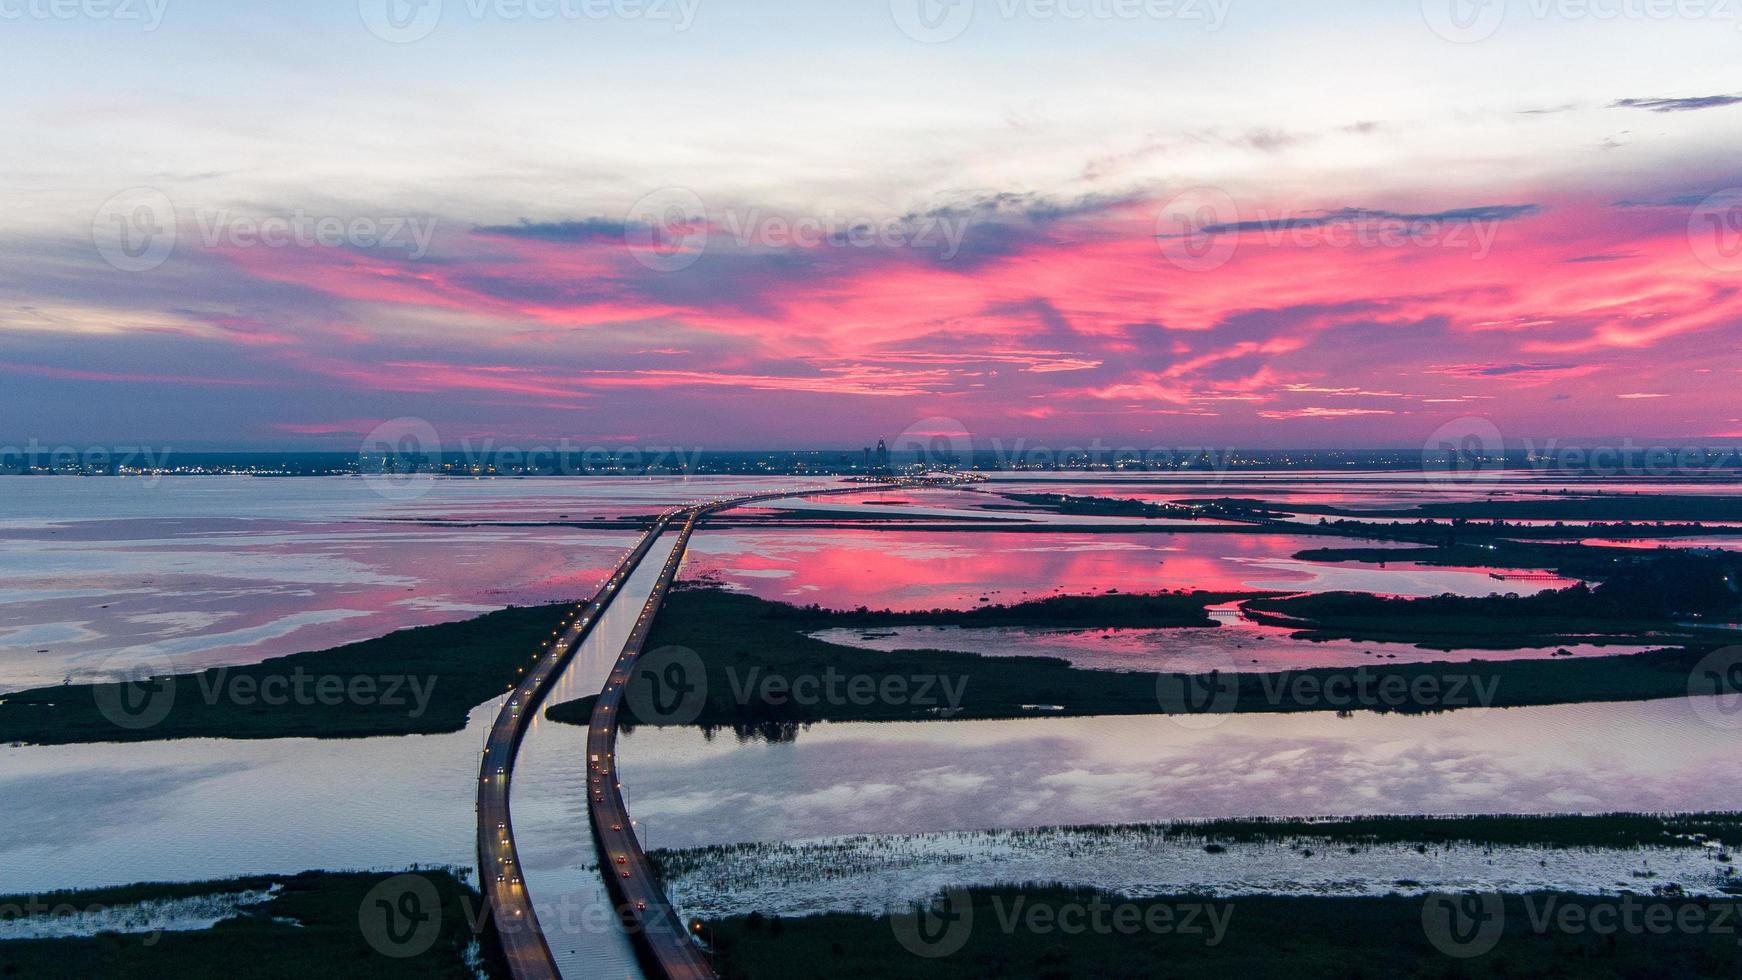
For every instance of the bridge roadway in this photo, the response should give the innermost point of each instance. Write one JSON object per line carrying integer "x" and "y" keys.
{"x": 499, "y": 875}
{"x": 661, "y": 941}
{"x": 660, "y": 938}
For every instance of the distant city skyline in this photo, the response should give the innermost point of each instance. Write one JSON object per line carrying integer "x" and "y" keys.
{"x": 1187, "y": 224}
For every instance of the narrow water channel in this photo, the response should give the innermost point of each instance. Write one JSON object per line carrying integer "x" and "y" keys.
{"x": 549, "y": 802}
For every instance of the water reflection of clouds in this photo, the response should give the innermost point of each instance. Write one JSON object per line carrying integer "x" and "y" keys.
{"x": 1093, "y": 545}
{"x": 38, "y": 634}
{"x": 864, "y": 779}
{"x": 251, "y": 590}
{"x": 929, "y": 569}
{"x": 101, "y": 803}
{"x": 176, "y": 646}
{"x": 173, "y": 623}
{"x": 194, "y": 809}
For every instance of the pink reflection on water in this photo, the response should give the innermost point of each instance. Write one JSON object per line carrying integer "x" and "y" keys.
{"x": 843, "y": 568}
{"x": 1237, "y": 644}
{"x": 1651, "y": 544}
{"x": 92, "y": 599}
{"x": 1375, "y": 491}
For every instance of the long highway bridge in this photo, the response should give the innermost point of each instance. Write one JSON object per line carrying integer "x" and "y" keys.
{"x": 662, "y": 942}
{"x": 499, "y": 876}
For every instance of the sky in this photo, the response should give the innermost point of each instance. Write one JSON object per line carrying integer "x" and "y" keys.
{"x": 782, "y": 223}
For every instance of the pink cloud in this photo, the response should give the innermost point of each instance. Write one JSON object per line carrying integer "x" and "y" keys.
{"x": 1086, "y": 312}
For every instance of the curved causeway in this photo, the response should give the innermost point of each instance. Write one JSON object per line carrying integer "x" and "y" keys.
{"x": 499, "y": 877}
{"x": 660, "y": 939}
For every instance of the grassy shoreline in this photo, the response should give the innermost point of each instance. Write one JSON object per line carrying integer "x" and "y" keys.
{"x": 1621, "y": 830}
{"x": 744, "y": 642}
{"x": 418, "y": 681}
{"x": 1192, "y": 936}
{"x": 313, "y": 925}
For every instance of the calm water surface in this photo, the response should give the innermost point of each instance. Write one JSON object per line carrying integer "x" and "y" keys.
{"x": 1238, "y": 645}
{"x": 924, "y": 777}
{"x": 97, "y": 575}
{"x": 234, "y": 570}
{"x": 843, "y": 568}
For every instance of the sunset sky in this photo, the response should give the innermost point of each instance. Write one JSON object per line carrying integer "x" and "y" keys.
{"x": 778, "y": 223}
